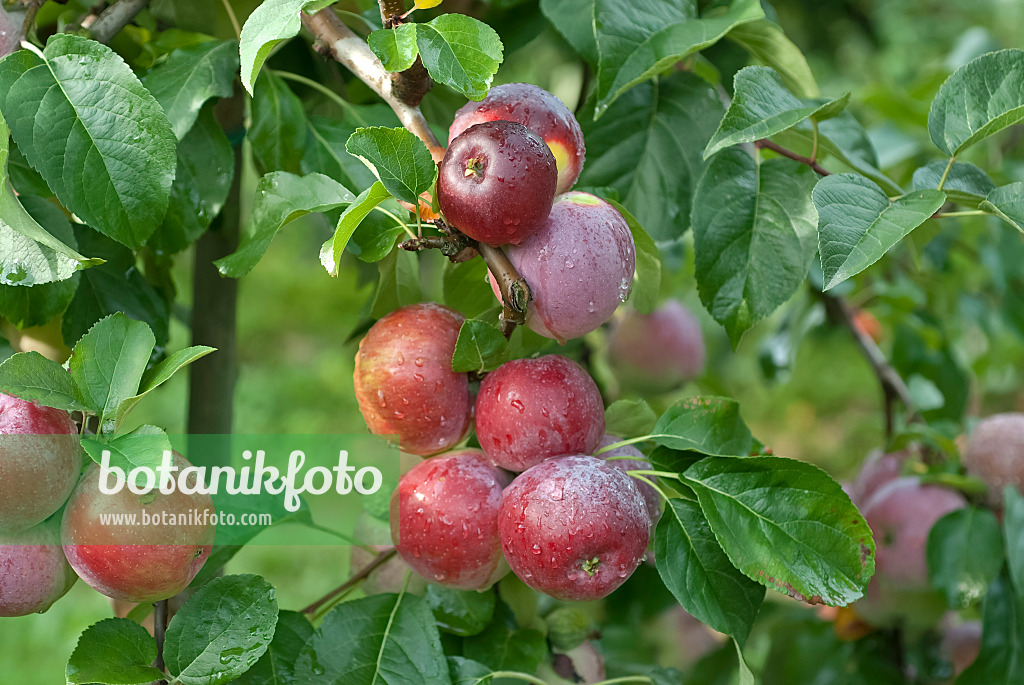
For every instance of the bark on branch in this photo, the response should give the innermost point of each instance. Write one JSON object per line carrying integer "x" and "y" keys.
{"x": 115, "y": 18}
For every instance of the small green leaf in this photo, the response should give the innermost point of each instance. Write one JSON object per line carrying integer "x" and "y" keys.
{"x": 762, "y": 106}
{"x": 330, "y": 253}
{"x": 1013, "y": 525}
{"x": 221, "y": 631}
{"x": 468, "y": 672}
{"x": 395, "y": 48}
{"x": 699, "y": 574}
{"x": 144, "y": 446}
{"x": 965, "y": 554}
{"x": 269, "y": 24}
{"x": 505, "y": 647}
{"x": 466, "y": 287}
{"x": 481, "y": 347}
{"x": 767, "y": 42}
{"x": 807, "y": 540}
{"x": 401, "y": 160}
{"x": 982, "y": 97}
{"x": 460, "y": 612}
{"x": 277, "y": 666}
{"x": 399, "y": 283}
{"x": 460, "y": 52}
{"x": 857, "y": 224}
{"x": 629, "y": 418}
{"x": 709, "y": 425}
{"x": 281, "y": 198}
{"x": 160, "y": 374}
{"x": 108, "y": 362}
{"x": 647, "y": 275}
{"x": 278, "y": 131}
{"x": 1007, "y": 202}
{"x": 115, "y": 651}
{"x": 966, "y": 184}
{"x": 32, "y": 377}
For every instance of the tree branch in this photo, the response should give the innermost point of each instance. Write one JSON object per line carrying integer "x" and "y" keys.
{"x": 341, "y": 43}
{"x": 115, "y": 18}
{"x": 160, "y": 611}
{"x": 382, "y": 558}
{"x": 766, "y": 144}
{"x": 413, "y": 84}
{"x": 515, "y": 293}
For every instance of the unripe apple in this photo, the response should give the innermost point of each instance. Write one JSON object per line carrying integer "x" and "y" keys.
{"x": 496, "y": 182}
{"x": 637, "y": 462}
{"x": 33, "y": 571}
{"x": 574, "y": 527}
{"x": 539, "y": 111}
{"x": 995, "y": 453}
{"x": 131, "y": 561}
{"x": 404, "y": 381}
{"x": 657, "y": 351}
{"x": 444, "y": 520}
{"x": 579, "y": 267}
{"x": 40, "y": 461}
{"x": 532, "y": 409}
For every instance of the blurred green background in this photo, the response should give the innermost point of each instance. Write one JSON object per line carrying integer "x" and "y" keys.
{"x": 809, "y": 396}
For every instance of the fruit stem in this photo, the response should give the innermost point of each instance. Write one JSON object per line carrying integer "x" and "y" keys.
{"x": 515, "y": 292}
{"x": 381, "y": 559}
{"x": 525, "y": 677}
{"x": 765, "y": 144}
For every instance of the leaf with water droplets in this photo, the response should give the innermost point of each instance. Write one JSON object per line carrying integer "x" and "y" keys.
{"x": 222, "y": 631}
{"x": 481, "y": 347}
{"x": 277, "y": 666}
{"x": 116, "y": 651}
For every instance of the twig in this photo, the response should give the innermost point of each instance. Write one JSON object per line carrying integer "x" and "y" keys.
{"x": 766, "y": 144}
{"x": 515, "y": 293}
{"x": 115, "y": 18}
{"x": 160, "y": 632}
{"x": 381, "y": 559}
{"x": 30, "y": 18}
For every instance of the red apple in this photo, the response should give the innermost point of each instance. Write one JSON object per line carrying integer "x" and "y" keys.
{"x": 404, "y": 381}
{"x": 574, "y": 527}
{"x": 532, "y": 409}
{"x": 878, "y": 469}
{"x": 40, "y": 461}
{"x": 579, "y": 267}
{"x": 131, "y": 561}
{"x": 444, "y": 520}
{"x": 497, "y": 182}
{"x": 659, "y": 350}
{"x": 637, "y": 462}
{"x": 33, "y": 571}
{"x": 995, "y": 453}
{"x": 539, "y": 111}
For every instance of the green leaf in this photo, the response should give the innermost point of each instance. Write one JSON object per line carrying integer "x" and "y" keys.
{"x": 144, "y": 446}
{"x": 966, "y": 184}
{"x": 108, "y": 152}
{"x": 965, "y": 554}
{"x": 377, "y": 234}
{"x": 189, "y": 77}
{"x": 116, "y": 286}
{"x": 32, "y": 377}
{"x": 221, "y": 631}
{"x": 363, "y": 204}
{"x": 648, "y": 147}
{"x": 460, "y": 52}
{"x": 982, "y": 97}
{"x": 269, "y": 24}
{"x": 481, "y": 347}
{"x": 115, "y": 651}
{"x": 806, "y": 539}
{"x": 709, "y": 425}
{"x": 629, "y": 418}
{"x": 401, "y": 160}
{"x": 281, "y": 198}
{"x": 699, "y": 574}
{"x": 762, "y": 107}
{"x": 857, "y": 223}
{"x": 505, "y": 647}
{"x": 1001, "y": 659}
{"x": 160, "y": 374}
{"x": 326, "y": 154}
{"x": 1007, "y": 202}
{"x": 383, "y": 639}
{"x": 278, "y": 131}
{"x": 206, "y": 167}
{"x": 753, "y": 236}
{"x": 108, "y": 362}
{"x": 395, "y": 48}
{"x": 460, "y": 612}
{"x": 767, "y": 42}
{"x": 1013, "y": 524}
{"x": 277, "y": 666}
{"x": 399, "y": 283}
{"x": 647, "y": 275}
{"x": 466, "y": 287}
{"x": 468, "y": 672}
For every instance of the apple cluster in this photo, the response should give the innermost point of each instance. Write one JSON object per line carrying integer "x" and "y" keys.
{"x": 506, "y": 180}
{"x": 532, "y": 497}
{"x": 52, "y": 528}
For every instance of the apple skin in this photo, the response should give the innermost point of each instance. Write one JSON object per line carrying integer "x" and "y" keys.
{"x": 444, "y": 520}
{"x": 878, "y": 469}
{"x": 638, "y": 462}
{"x": 657, "y": 351}
{"x": 995, "y": 453}
{"x": 404, "y": 381}
{"x": 579, "y": 267}
{"x": 560, "y": 516}
{"x": 135, "y": 563}
{"x": 961, "y": 645}
{"x": 496, "y": 182}
{"x": 531, "y": 409}
{"x": 33, "y": 570}
{"x": 539, "y": 111}
{"x": 40, "y": 461}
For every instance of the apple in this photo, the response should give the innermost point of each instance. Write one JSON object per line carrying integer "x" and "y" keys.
{"x": 33, "y": 570}
{"x": 539, "y": 111}
{"x": 531, "y": 409}
{"x": 878, "y": 469}
{"x": 40, "y": 461}
{"x": 496, "y": 182}
{"x": 657, "y": 351}
{"x": 995, "y": 453}
{"x": 574, "y": 527}
{"x": 404, "y": 381}
{"x": 637, "y": 462}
